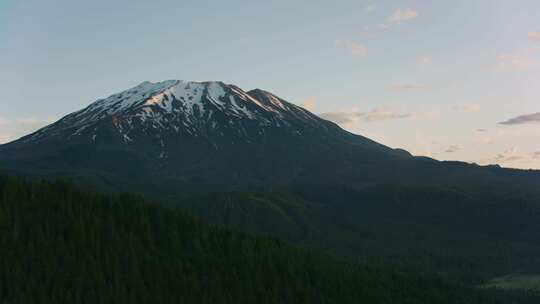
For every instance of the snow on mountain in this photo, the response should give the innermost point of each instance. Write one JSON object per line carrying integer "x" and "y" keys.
{"x": 192, "y": 108}
{"x": 198, "y": 135}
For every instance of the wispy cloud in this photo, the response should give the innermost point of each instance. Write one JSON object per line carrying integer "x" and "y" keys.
{"x": 453, "y": 148}
{"x": 510, "y": 155}
{"x": 522, "y": 119}
{"x": 515, "y": 60}
{"x": 398, "y": 16}
{"x": 513, "y": 157}
{"x": 386, "y": 113}
{"x": 342, "y": 117}
{"x": 402, "y": 15}
{"x": 534, "y": 35}
{"x": 383, "y": 113}
{"x": 354, "y": 47}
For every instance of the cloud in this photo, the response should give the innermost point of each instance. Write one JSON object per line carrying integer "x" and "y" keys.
{"x": 386, "y": 113}
{"x": 523, "y": 119}
{"x": 515, "y": 60}
{"x": 342, "y": 117}
{"x": 383, "y": 113}
{"x": 468, "y": 108}
{"x": 426, "y": 60}
{"x": 509, "y": 155}
{"x": 398, "y": 16}
{"x": 355, "y": 48}
{"x": 514, "y": 158}
{"x": 407, "y": 87}
{"x": 402, "y": 15}
{"x": 534, "y": 35}
{"x": 512, "y": 155}
{"x": 310, "y": 104}
{"x": 11, "y": 129}
{"x": 453, "y": 148}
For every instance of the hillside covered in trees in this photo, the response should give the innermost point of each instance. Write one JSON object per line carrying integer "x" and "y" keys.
{"x": 465, "y": 235}
{"x": 63, "y": 245}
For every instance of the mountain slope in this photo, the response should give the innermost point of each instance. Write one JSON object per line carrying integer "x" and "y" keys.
{"x": 197, "y": 135}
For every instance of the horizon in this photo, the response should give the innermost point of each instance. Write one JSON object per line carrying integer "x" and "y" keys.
{"x": 453, "y": 86}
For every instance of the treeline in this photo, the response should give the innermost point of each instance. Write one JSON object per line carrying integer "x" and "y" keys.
{"x": 59, "y": 244}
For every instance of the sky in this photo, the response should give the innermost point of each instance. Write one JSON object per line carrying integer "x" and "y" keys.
{"x": 453, "y": 80}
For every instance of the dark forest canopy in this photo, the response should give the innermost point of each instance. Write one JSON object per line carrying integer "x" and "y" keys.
{"x": 63, "y": 245}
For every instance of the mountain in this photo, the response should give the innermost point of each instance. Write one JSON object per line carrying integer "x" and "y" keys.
{"x": 252, "y": 161}
{"x": 199, "y": 135}
{"x": 176, "y": 136}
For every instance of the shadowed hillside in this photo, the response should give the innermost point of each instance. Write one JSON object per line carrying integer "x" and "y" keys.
{"x": 62, "y": 245}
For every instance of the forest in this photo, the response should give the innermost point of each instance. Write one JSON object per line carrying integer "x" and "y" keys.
{"x": 61, "y": 244}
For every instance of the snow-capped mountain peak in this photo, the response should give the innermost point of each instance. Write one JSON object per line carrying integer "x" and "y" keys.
{"x": 210, "y": 108}
{"x": 195, "y": 135}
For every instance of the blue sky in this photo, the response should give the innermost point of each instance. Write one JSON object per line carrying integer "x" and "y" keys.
{"x": 433, "y": 77}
